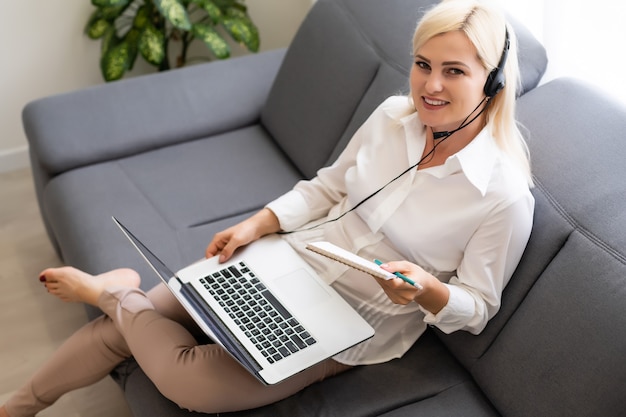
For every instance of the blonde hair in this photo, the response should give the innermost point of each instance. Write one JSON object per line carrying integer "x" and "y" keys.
{"x": 485, "y": 26}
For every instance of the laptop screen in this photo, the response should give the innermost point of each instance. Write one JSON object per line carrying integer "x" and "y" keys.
{"x": 160, "y": 268}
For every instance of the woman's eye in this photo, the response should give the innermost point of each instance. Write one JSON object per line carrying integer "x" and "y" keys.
{"x": 422, "y": 65}
{"x": 455, "y": 71}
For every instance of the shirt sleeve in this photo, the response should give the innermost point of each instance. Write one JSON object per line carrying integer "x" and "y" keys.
{"x": 290, "y": 209}
{"x": 488, "y": 263}
{"x": 311, "y": 199}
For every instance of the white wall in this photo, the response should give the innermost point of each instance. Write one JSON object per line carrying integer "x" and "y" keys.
{"x": 582, "y": 42}
{"x": 44, "y": 51}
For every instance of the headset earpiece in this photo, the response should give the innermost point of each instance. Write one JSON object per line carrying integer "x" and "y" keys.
{"x": 496, "y": 80}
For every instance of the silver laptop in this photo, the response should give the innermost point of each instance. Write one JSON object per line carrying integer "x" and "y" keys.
{"x": 265, "y": 306}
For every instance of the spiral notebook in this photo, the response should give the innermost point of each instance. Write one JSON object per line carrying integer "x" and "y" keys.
{"x": 346, "y": 257}
{"x": 355, "y": 261}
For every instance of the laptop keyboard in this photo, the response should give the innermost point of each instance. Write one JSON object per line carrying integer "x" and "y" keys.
{"x": 263, "y": 319}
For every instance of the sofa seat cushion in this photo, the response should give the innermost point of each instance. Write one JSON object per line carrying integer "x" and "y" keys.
{"x": 464, "y": 399}
{"x": 167, "y": 197}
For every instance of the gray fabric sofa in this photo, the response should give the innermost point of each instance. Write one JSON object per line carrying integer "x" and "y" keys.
{"x": 180, "y": 155}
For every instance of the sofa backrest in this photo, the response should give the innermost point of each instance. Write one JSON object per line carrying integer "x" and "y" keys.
{"x": 558, "y": 344}
{"x": 347, "y": 57}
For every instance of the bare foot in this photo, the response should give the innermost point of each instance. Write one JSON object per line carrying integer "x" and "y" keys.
{"x": 72, "y": 285}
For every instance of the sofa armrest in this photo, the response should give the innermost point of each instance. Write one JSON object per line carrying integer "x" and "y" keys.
{"x": 134, "y": 115}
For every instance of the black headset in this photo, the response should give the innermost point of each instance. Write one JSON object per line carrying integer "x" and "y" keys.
{"x": 496, "y": 80}
{"x": 493, "y": 85}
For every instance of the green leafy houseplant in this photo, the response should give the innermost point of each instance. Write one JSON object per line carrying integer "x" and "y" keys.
{"x": 128, "y": 28}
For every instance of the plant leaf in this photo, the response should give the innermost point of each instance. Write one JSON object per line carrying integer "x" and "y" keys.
{"x": 111, "y": 13}
{"x": 132, "y": 39}
{"x": 212, "y": 39}
{"x": 109, "y": 39}
{"x": 211, "y": 9}
{"x": 107, "y": 3}
{"x": 116, "y": 61}
{"x": 241, "y": 29}
{"x": 97, "y": 27}
{"x": 151, "y": 45}
{"x": 175, "y": 12}
{"x": 142, "y": 18}
{"x": 101, "y": 19}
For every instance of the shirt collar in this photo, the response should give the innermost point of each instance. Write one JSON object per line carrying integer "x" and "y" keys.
{"x": 476, "y": 160}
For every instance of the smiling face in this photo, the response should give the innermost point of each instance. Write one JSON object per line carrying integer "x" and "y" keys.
{"x": 447, "y": 82}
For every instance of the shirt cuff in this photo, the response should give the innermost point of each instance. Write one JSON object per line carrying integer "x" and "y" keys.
{"x": 454, "y": 315}
{"x": 291, "y": 210}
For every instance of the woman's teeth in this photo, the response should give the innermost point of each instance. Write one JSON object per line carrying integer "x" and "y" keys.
{"x": 434, "y": 102}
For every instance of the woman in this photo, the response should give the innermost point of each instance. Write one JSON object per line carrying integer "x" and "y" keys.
{"x": 460, "y": 215}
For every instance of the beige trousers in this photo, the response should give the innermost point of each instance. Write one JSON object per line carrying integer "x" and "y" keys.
{"x": 159, "y": 334}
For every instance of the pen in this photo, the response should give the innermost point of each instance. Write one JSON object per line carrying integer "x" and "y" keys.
{"x": 401, "y": 276}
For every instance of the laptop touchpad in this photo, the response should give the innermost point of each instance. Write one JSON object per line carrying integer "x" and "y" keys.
{"x": 301, "y": 287}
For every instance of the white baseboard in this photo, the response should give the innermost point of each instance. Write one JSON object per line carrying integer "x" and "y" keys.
{"x": 13, "y": 159}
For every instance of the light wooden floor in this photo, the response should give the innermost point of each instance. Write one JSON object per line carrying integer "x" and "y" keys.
{"x": 33, "y": 323}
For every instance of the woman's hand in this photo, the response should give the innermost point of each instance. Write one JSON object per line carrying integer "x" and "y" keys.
{"x": 227, "y": 241}
{"x": 433, "y": 296}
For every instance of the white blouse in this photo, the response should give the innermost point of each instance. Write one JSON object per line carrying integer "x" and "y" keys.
{"x": 467, "y": 222}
